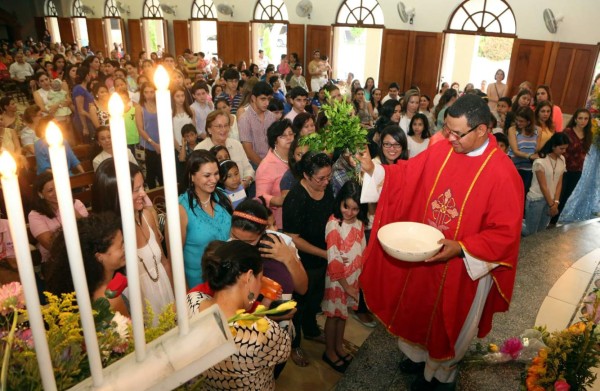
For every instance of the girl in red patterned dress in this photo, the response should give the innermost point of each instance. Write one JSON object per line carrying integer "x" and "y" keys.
{"x": 345, "y": 237}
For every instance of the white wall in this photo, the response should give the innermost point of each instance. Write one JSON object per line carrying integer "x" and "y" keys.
{"x": 579, "y": 26}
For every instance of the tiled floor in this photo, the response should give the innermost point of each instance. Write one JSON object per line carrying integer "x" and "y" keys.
{"x": 318, "y": 376}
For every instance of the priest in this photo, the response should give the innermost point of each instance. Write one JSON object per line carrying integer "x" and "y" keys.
{"x": 469, "y": 190}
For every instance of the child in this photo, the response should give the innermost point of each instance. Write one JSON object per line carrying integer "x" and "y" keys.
{"x": 418, "y": 135}
{"x": 502, "y": 108}
{"x": 502, "y": 141}
{"x": 58, "y": 97}
{"x": 345, "y": 237}
{"x": 221, "y": 153}
{"x": 103, "y": 139}
{"x": 276, "y": 107}
{"x": 231, "y": 182}
{"x": 189, "y": 140}
{"x": 542, "y": 198}
{"x": 201, "y": 107}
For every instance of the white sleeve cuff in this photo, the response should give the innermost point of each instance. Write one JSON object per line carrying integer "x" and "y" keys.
{"x": 476, "y": 267}
{"x": 371, "y": 188}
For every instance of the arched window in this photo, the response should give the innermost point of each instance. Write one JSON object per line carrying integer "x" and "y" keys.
{"x": 79, "y": 22}
{"x": 152, "y": 9}
{"x": 360, "y": 12}
{"x": 483, "y": 17}
{"x": 51, "y": 20}
{"x": 203, "y": 28}
{"x": 50, "y": 8}
{"x": 77, "y": 10}
{"x": 111, "y": 10}
{"x": 269, "y": 32}
{"x": 357, "y": 39}
{"x": 204, "y": 9}
{"x": 270, "y": 10}
{"x": 154, "y": 28}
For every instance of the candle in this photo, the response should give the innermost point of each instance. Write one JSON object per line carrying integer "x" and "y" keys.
{"x": 119, "y": 145}
{"x": 18, "y": 232}
{"x": 62, "y": 184}
{"x": 167, "y": 148}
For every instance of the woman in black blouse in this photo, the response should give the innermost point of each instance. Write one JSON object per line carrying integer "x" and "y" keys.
{"x": 306, "y": 209}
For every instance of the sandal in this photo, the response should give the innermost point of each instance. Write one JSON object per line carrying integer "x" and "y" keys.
{"x": 338, "y": 366}
{"x": 298, "y": 357}
{"x": 347, "y": 358}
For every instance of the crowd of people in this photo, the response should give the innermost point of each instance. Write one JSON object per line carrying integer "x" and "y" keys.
{"x": 291, "y": 215}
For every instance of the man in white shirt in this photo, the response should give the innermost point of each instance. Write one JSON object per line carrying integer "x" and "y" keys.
{"x": 393, "y": 93}
{"x": 263, "y": 61}
{"x": 20, "y": 71}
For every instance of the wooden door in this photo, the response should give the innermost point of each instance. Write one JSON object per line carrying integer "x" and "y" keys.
{"x": 570, "y": 74}
{"x": 317, "y": 38}
{"x": 424, "y": 60}
{"x": 181, "y": 35}
{"x": 66, "y": 30}
{"x": 134, "y": 28}
{"x": 96, "y": 34}
{"x": 295, "y": 40}
{"x": 233, "y": 41}
{"x": 528, "y": 62}
{"x": 394, "y": 54}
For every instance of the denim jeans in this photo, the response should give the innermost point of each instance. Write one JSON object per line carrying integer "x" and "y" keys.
{"x": 536, "y": 216}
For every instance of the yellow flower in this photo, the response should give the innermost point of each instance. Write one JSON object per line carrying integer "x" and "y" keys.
{"x": 577, "y": 328}
{"x": 493, "y": 348}
{"x": 543, "y": 354}
{"x": 239, "y": 312}
{"x": 288, "y": 305}
{"x": 262, "y": 325}
{"x": 260, "y": 308}
{"x": 245, "y": 323}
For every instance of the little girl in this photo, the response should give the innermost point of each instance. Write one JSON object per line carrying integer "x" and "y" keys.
{"x": 345, "y": 237}
{"x": 542, "y": 199}
{"x": 231, "y": 182}
{"x": 220, "y": 152}
{"x": 418, "y": 135}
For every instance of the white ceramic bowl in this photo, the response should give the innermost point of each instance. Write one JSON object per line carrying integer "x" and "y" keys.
{"x": 410, "y": 242}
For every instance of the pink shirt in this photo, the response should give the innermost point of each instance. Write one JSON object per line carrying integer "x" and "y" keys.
{"x": 39, "y": 223}
{"x": 268, "y": 175}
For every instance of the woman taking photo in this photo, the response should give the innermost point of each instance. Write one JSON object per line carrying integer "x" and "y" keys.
{"x": 271, "y": 169}
{"x": 217, "y": 128}
{"x": 103, "y": 255}
{"x": 154, "y": 269}
{"x": 234, "y": 271}
{"x": 306, "y": 209}
{"x": 204, "y": 210}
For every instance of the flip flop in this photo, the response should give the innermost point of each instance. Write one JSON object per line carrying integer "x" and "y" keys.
{"x": 298, "y": 357}
{"x": 347, "y": 358}
{"x": 338, "y": 366}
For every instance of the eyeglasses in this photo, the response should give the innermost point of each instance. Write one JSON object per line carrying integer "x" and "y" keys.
{"x": 392, "y": 145}
{"x": 220, "y": 127}
{"x": 459, "y": 135}
{"x": 286, "y": 135}
{"x": 322, "y": 178}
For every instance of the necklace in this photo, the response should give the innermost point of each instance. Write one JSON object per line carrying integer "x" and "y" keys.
{"x": 279, "y": 157}
{"x": 553, "y": 165}
{"x": 154, "y": 279}
{"x": 204, "y": 203}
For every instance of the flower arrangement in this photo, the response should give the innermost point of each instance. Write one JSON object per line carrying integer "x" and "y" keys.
{"x": 257, "y": 318}
{"x": 343, "y": 130}
{"x": 570, "y": 354}
{"x": 65, "y": 338}
{"x": 593, "y": 106}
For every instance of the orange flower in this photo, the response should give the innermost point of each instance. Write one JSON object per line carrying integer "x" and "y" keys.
{"x": 578, "y": 328}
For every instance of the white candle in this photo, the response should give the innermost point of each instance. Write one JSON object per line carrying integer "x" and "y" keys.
{"x": 119, "y": 149}
{"x": 18, "y": 232}
{"x": 167, "y": 148}
{"x": 62, "y": 184}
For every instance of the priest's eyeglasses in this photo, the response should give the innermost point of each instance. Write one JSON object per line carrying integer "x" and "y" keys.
{"x": 457, "y": 134}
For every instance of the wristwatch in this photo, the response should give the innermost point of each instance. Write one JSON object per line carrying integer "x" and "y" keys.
{"x": 149, "y": 139}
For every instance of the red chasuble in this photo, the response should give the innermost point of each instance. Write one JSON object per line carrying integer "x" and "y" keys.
{"x": 475, "y": 200}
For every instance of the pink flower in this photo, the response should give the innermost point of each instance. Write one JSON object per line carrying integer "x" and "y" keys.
{"x": 561, "y": 385}
{"x": 11, "y": 297}
{"x": 512, "y": 347}
{"x": 26, "y": 336}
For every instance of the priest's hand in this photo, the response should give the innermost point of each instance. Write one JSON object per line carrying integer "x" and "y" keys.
{"x": 450, "y": 249}
{"x": 366, "y": 163}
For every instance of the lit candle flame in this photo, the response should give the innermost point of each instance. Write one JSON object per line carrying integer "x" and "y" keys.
{"x": 8, "y": 166}
{"x": 54, "y": 136}
{"x": 161, "y": 78}
{"x": 115, "y": 105}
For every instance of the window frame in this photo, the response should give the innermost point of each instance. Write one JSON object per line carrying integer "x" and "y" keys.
{"x": 360, "y": 22}
{"x": 481, "y": 30}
